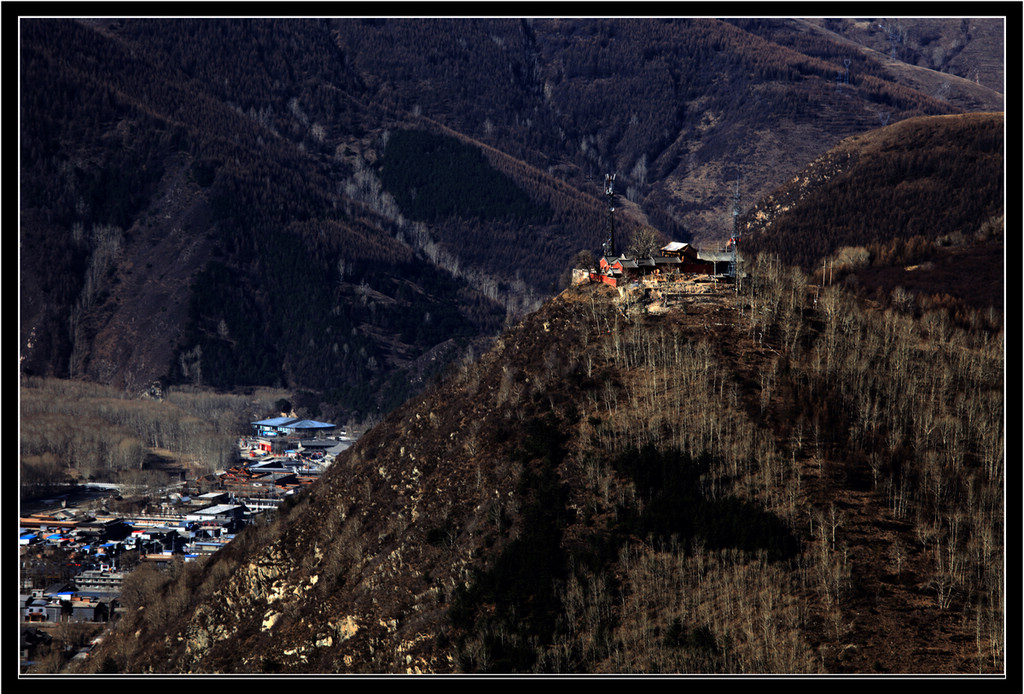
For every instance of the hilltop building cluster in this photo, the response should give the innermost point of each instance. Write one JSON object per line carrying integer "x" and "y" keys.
{"x": 676, "y": 261}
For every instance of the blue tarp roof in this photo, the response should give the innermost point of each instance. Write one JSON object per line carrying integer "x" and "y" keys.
{"x": 276, "y": 421}
{"x": 293, "y": 423}
{"x": 309, "y": 424}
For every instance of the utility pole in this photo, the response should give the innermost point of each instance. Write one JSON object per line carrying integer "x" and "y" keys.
{"x": 734, "y": 241}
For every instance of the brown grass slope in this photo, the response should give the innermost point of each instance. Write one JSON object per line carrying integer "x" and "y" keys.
{"x": 754, "y": 483}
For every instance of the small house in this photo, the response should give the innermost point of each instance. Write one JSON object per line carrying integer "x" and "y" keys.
{"x": 34, "y": 609}
{"x": 720, "y": 261}
{"x": 88, "y": 609}
{"x": 683, "y": 251}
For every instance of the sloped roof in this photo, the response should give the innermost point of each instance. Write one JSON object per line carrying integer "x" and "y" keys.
{"x": 293, "y": 423}
{"x": 276, "y": 421}
{"x": 715, "y": 256}
{"x": 216, "y": 510}
{"x": 308, "y": 424}
{"x": 675, "y": 246}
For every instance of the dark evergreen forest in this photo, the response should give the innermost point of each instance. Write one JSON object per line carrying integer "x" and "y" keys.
{"x": 433, "y": 178}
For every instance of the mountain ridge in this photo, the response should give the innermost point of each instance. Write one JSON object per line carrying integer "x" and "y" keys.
{"x": 278, "y": 124}
{"x": 859, "y": 208}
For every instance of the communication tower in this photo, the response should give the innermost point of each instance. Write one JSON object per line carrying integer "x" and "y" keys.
{"x": 609, "y": 193}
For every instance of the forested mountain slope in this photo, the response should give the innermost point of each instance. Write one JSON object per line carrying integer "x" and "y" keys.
{"x": 681, "y": 109}
{"x": 341, "y": 207}
{"x": 756, "y": 482}
{"x": 170, "y": 231}
{"x": 958, "y": 46}
{"x": 918, "y": 205}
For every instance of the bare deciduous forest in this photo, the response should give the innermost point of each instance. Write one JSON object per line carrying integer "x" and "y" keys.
{"x": 814, "y": 419}
{"x": 74, "y": 432}
{"x": 780, "y": 480}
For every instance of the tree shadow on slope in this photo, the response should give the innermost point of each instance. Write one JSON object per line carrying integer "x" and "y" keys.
{"x": 675, "y": 504}
{"x": 513, "y": 610}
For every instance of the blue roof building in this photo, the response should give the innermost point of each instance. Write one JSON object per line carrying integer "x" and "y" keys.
{"x": 291, "y": 426}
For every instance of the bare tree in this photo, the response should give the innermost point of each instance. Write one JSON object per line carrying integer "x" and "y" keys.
{"x": 645, "y": 242}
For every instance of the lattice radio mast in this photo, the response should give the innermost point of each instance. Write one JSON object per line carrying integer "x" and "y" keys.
{"x": 609, "y": 193}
